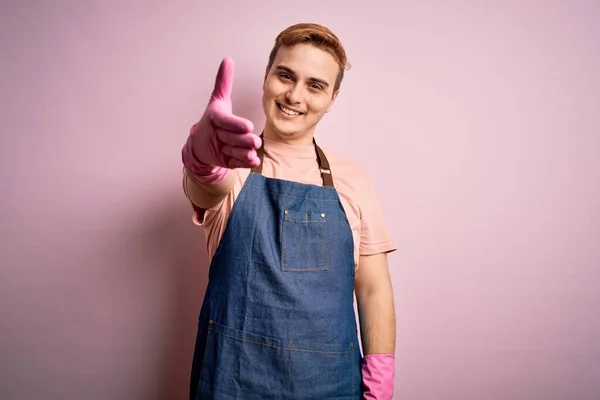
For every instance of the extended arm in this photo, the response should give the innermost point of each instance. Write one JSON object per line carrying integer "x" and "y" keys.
{"x": 206, "y": 196}
{"x": 218, "y": 142}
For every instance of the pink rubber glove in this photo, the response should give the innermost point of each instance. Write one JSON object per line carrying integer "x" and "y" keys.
{"x": 220, "y": 140}
{"x": 378, "y": 372}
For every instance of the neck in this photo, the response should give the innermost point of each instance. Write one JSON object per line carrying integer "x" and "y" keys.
{"x": 304, "y": 139}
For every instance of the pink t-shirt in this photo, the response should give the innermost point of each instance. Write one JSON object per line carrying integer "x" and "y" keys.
{"x": 299, "y": 164}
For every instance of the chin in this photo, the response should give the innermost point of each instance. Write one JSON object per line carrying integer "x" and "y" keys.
{"x": 285, "y": 132}
{"x": 286, "y": 128}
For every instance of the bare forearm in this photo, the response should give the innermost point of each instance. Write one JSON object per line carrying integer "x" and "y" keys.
{"x": 377, "y": 321}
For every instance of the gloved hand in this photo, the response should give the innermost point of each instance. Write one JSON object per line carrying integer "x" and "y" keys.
{"x": 220, "y": 140}
{"x": 378, "y": 372}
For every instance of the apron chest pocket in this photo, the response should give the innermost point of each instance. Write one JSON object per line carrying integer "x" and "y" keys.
{"x": 304, "y": 241}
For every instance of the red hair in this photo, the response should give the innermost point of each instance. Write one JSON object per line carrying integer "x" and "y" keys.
{"x": 318, "y": 36}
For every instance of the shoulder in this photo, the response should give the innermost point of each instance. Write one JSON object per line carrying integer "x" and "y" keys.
{"x": 359, "y": 196}
{"x": 353, "y": 184}
{"x": 351, "y": 175}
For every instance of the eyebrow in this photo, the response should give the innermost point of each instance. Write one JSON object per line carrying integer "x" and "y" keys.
{"x": 311, "y": 79}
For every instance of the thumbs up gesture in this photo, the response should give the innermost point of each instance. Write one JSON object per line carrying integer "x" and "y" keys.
{"x": 220, "y": 140}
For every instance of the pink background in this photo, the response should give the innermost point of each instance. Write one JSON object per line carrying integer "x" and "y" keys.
{"x": 479, "y": 121}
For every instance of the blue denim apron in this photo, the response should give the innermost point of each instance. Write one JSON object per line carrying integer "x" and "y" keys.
{"x": 277, "y": 321}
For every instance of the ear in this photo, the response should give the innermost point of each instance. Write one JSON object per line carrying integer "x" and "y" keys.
{"x": 333, "y": 98}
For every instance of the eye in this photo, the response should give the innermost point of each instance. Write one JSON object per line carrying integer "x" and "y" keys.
{"x": 316, "y": 86}
{"x": 285, "y": 76}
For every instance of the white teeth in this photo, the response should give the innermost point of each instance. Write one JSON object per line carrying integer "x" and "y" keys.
{"x": 288, "y": 111}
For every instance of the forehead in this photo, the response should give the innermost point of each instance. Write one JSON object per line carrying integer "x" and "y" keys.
{"x": 308, "y": 61}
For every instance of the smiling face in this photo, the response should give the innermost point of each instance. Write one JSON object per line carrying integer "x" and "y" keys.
{"x": 298, "y": 91}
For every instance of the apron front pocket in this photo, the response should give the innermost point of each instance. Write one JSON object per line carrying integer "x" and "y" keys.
{"x": 325, "y": 372}
{"x": 304, "y": 241}
{"x": 242, "y": 365}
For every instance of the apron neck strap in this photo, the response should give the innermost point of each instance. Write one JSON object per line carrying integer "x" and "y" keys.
{"x": 322, "y": 161}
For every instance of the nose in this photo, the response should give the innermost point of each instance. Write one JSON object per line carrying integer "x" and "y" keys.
{"x": 294, "y": 94}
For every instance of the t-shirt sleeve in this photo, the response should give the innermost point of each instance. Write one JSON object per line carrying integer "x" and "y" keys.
{"x": 201, "y": 216}
{"x": 214, "y": 219}
{"x": 197, "y": 212}
{"x": 374, "y": 234}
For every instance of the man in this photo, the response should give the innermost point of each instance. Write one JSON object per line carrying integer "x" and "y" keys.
{"x": 293, "y": 233}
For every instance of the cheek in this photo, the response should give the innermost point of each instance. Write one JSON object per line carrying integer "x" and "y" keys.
{"x": 267, "y": 99}
{"x": 270, "y": 89}
{"x": 319, "y": 107}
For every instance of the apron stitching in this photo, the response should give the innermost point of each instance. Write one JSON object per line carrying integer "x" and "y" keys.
{"x": 296, "y": 196}
{"x": 297, "y": 349}
{"x": 208, "y": 337}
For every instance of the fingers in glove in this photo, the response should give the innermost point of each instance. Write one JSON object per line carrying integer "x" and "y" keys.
{"x": 234, "y": 163}
{"x": 245, "y": 157}
{"x": 245, "y": 140}
{"x": 230, "y": 122}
